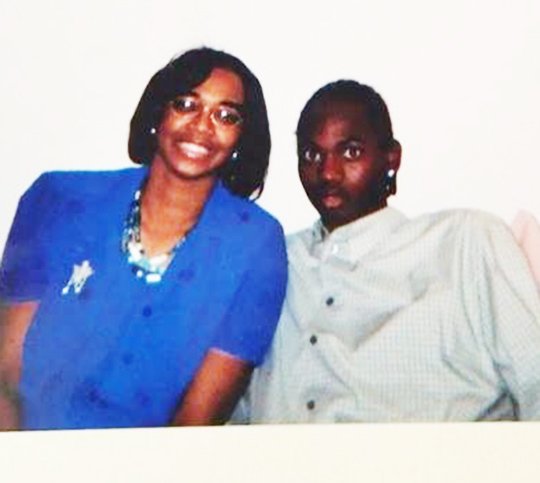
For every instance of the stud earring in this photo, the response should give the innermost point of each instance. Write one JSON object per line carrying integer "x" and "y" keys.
{"x": 390, "y": 182}
{"x": 234, "y": 155}
{"x": 153, "y": 131}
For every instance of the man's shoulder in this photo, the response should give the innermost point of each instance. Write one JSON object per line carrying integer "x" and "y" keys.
{"x": 447, "y": 227}
{"x": 458, "y": 232}
{"x": 458, "y": 221}
{"x": 461, "y": 215}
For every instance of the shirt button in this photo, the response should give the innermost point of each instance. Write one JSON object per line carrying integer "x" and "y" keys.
{"x": 310, "y": 405}
{"x": 147, "y": 311}
{"x": 313, "y": 339}
{"x": 93, "y": 395}
{"x": 330, "y": 301}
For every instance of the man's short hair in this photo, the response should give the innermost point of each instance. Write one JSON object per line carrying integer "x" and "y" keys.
{"x": 349, "y": 91}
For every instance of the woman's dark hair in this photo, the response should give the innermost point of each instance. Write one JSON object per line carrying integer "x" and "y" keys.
{"x": 349, "y": 91}
{"x": 243, "y": 175}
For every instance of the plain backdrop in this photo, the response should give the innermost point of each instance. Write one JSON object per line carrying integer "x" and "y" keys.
{"x": 461, "y": 79}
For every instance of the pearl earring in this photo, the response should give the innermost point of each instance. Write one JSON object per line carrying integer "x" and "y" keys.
{"x": 153, "y": 131}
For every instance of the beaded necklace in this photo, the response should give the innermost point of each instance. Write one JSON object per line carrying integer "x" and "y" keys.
{"x": 150, "y": 269}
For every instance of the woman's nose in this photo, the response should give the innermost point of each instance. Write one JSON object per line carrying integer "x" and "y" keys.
{"x": 203, "y": 122}
{"x": 331, "y": 169}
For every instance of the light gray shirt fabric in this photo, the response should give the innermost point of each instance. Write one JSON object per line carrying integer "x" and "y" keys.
{"x": 390, "y": 319}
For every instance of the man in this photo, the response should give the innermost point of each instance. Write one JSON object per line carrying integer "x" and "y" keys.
{"x": 390, "y": 319}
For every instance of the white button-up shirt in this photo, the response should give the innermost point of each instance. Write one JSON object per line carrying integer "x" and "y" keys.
{"x": 390, "y": 319}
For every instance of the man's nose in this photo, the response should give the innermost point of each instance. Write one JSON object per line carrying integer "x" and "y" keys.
{"x": 331, "y": 169}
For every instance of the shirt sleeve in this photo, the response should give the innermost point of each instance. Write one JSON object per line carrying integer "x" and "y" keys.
{"x": 510, "y": 314}
{"x": 526, "y": 229}
{"x": 22, "y": 270}
{"x": 251, "y": 320}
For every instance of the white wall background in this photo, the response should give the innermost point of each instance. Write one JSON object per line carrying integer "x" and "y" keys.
{"x": 461, "y": 78}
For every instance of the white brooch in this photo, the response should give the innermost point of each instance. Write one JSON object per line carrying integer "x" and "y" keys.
{"x": 80, "y": 275}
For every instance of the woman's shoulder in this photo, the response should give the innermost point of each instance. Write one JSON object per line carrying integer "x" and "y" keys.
{"x": 242, "y": 212}
{"x": 85, "y": 183}
{"x": 240, "y": 228}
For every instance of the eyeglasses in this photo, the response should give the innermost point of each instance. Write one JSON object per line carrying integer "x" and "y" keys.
{"x": 225, "y": 114}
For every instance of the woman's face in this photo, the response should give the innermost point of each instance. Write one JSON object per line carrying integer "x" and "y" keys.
{"x": 201, "y": 128}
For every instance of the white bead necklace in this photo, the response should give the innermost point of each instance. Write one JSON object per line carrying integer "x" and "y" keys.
{"x": 150, "y": 269}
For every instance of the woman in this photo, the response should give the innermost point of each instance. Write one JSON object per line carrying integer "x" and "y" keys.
{"x": 388, "y": 318}
{"x": 144, "y": 297}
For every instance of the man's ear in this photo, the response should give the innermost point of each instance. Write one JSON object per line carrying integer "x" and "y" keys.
{"x": 393, "y": 156}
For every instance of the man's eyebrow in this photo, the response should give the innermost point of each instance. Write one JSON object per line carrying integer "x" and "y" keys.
{"x": 304, "y": 143}
{"x": 354, "y": 139}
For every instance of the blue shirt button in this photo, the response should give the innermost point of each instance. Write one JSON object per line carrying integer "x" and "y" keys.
{"x": 75, "y": 207}
{"x": 147, "y": 311}
{"x": 186, "y": 275}
{"x": 96, "y": 398}
{"x": 142, "y": 398}
{"x": 93, "y": 395}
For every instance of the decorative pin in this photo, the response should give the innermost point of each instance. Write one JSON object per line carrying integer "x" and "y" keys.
{"x": 80, "y": 275}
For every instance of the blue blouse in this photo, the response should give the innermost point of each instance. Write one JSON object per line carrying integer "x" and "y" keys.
{"x": 120, "y": 352}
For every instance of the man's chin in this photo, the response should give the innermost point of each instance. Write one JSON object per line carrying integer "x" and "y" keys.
{"x": 333, "y": 218}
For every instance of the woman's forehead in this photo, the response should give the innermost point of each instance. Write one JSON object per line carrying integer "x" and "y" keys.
{"x": 222, "y": 84}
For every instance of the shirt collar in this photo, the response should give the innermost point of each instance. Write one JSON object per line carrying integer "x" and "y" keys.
{"x": 350, "y": 242}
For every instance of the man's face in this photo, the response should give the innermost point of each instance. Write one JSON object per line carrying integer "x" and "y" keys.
{"x": 341, "y": 165}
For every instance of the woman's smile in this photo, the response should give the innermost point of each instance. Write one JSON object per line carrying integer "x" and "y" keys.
{"x": 193, "y": 150}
